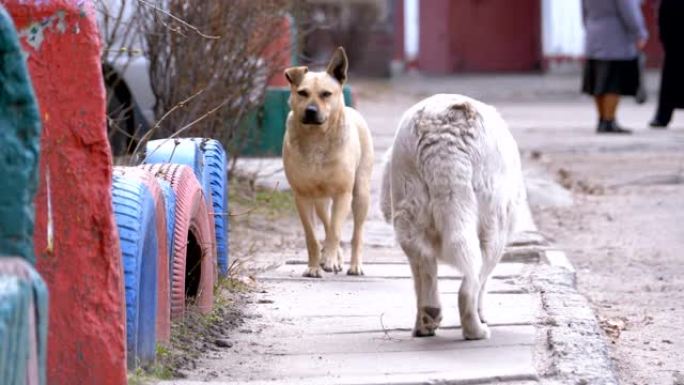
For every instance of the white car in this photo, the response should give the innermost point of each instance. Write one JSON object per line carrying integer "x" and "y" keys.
{"x": 130, "y": 100}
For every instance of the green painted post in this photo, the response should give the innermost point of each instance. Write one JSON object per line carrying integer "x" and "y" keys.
{"x": 19, "y": 146}
{"x": 23, "y": 293}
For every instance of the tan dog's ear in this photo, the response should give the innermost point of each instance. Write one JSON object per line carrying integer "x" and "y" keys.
{"x": 337, "y": 67}
{"x": 294, "y": 75}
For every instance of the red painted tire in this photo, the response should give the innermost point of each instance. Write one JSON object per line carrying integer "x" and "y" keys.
{"x": 163, "y": 282}
{"x": 194, "y": 243}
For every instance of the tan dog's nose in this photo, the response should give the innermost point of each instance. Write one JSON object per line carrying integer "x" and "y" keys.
{"x": 311, "y": 113}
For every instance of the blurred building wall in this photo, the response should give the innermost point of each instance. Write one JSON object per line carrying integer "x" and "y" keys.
{"x": 447, "y": 36}
{"x": 385, "y": 37}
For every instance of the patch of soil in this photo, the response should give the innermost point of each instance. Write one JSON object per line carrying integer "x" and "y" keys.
{"x": 199, "y": 334}
{"x": 626, "y": 241}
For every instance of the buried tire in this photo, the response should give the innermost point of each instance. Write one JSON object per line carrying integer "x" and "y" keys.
{"x": 194, "y": 243}
{"x": 163, "y": 324}
{"x": 178, "y": 151}
{"x": 215, "y": 177}
{"x": 207, "y": 159}
{"x": 134, "y": 211}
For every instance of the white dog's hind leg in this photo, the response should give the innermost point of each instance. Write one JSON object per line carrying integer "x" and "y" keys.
{"x": 492, "y": 246}
{"x": 386, "y": 188}
{"x": 360, "y": 204}
{"x": 428, "y": 307}
{"x": 305, "y": 209}
{"x": 493, "y": 238}
{"x": 460, "y": 245}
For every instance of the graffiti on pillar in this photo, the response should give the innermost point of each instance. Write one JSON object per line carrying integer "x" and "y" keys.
{"x": 35, "y": 32}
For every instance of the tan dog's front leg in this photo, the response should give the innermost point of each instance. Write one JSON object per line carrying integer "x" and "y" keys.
{"x": 323, "y": 212}
{"x": 305, "y": 209}
{"x": 332, "y": 260}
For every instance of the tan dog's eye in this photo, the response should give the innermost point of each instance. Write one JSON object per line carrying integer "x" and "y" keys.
{"x": 325, "y": 94}
{"x": 303, "y": 93}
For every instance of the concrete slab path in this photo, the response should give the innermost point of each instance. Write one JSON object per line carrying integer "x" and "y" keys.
{"x": 357, "y": 330}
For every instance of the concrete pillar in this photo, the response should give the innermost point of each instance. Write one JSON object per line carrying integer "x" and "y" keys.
{"x": 20, "y": 124}
{"x": 76, "y": 244}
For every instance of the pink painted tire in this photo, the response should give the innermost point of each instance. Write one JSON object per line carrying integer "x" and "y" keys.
{"x": 193, "y": 261}
{"x": 163, "y": 326}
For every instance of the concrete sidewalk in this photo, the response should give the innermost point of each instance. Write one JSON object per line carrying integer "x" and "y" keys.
{"x": 347, "y": 330}
{"x": 357, "y": 330}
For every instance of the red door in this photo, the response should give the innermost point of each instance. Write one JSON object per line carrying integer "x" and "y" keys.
{"x": 495, "y": 35}
{"x": 654, "y": 51}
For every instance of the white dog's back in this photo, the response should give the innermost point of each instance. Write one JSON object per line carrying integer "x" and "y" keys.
{"x": 450, "y": 187}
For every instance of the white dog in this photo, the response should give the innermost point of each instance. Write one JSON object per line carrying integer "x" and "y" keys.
{"x": 451, "y": 187}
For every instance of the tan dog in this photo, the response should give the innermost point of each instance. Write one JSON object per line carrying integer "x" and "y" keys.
{"x": 328, "y": 156}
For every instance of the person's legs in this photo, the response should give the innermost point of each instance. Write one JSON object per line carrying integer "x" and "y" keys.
{"x": 663, "y": 115}
{"x": 598, "y": 101}
{"x": 610, "y": 103}
{"x": 665, "y": 106}
{"x": 608, "y": 107}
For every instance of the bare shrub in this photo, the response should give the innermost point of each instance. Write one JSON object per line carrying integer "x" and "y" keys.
{"x": 210, "y": 62}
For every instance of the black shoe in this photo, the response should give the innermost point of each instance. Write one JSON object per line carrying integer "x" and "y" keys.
{"x": 657, "y": 123}
{"x": 610, "y": 127}
{"x": 602, "y": 126}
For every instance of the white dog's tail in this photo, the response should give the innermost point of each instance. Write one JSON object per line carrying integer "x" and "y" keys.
{"x": 386, "y": 189}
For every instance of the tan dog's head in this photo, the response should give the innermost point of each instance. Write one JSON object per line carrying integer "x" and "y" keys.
{"x": 317, "y": 96}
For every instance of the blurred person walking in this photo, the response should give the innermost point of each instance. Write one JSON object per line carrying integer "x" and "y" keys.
{"x": 671, "y": 27}
{"x": 615, "y": 33}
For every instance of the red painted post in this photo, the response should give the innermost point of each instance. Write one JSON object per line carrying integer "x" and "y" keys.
{"x": 76, "y": 244}
{"x": 279, "y": 52}
{"x": 398, "y": 7}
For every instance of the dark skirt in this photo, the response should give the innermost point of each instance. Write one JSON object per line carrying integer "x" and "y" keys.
{"x": 611, "y": 77}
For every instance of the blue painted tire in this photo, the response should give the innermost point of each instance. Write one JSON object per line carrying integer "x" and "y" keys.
{"x": 207, "y": 158}
{"x": 170, "y": 200}
{"x": 134, "y": 211}
{"x": 215, "y": 172}
{"x": 178, "y": 151}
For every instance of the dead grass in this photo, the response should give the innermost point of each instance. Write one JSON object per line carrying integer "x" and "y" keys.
{"x": 248, "y": 199}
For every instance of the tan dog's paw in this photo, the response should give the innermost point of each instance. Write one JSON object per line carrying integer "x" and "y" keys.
{"x": 331, "y": 266}
{"x": 332, "y": 263}
{"x": 313, "y": 272}
{"x": 355, "y": 270}
{"x": 427, "y": 321}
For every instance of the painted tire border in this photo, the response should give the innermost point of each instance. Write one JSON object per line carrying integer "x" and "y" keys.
{"x": 134, "y": 210}
{"x": 161, "y": 214}
{"x": 191, "y": 215}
